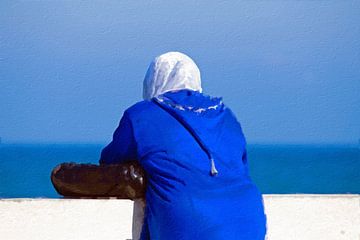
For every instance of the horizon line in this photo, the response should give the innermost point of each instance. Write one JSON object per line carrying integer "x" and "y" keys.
{"x": 262, "y": 143}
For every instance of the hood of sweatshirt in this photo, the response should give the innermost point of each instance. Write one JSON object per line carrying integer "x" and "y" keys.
{"x": 200, "y": 114}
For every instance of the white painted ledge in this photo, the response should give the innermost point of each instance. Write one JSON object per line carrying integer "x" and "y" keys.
{"x": 308, "y": 217}
{"x": 290, "y": 217}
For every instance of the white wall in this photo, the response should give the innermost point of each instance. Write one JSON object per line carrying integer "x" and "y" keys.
{"x": 290, "y": 217}
{"x": 307, "y": 217}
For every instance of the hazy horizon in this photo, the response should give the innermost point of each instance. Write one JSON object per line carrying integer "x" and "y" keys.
{"x": 349, "y": 144}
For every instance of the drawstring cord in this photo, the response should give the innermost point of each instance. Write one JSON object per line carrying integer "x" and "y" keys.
{"x": 213, "y": 171}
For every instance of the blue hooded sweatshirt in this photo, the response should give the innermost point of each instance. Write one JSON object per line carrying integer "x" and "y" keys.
{"x": 193, "y": 151}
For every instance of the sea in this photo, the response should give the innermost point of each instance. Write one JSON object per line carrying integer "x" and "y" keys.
{"x": 276, "y": 169}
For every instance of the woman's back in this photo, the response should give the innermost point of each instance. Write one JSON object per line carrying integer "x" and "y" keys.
{"x": 177, "y": 136}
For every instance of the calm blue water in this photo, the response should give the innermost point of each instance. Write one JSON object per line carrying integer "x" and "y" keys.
{"x": 25, "y": 169}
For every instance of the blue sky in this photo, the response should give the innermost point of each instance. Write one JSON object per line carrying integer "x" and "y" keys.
{"x": 290, "y": 70}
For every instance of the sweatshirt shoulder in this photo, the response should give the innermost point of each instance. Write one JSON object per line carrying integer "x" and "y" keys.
{"x": 139, "y": 108}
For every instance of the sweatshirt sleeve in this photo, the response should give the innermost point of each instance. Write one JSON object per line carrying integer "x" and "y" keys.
{"x": 122, "y": 148}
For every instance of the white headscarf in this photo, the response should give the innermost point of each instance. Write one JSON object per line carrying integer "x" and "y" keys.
{"x": 171, "y": 71}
